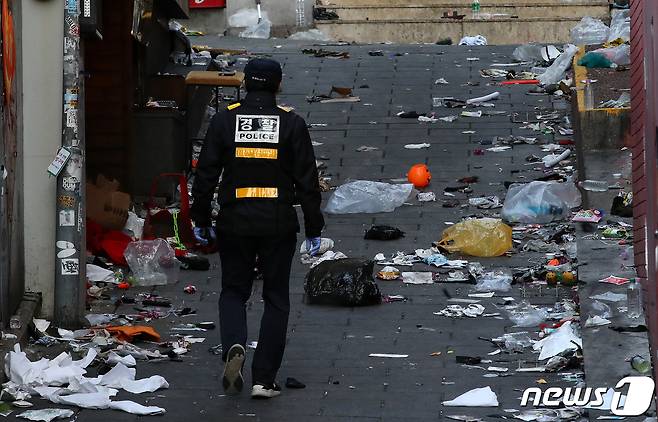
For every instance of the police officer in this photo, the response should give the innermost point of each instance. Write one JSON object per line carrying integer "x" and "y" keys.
{"x": 264, "y": 155}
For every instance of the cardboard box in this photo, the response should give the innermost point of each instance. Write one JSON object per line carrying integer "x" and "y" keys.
{"x": 106, "y": 205}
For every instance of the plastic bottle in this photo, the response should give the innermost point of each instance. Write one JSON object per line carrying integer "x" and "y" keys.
{"x": 589, "y": 95}
{"x": 633, "y": 300}
{"x": 475, "y": 8}
{"x": 594, "y": 185}
{"x": 640, "y": 364}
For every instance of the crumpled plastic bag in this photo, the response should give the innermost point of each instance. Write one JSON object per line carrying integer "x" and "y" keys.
{"x": 153, "y": 262}
{"x": 495, "y": 281}
{"x": 248, "y": 18}
{"x": 364, "y": 196}
{"x": 484, "y": 237}
{"x": 526, "y": 315}
{"x": 346, "y": 282}
{"x": 540, "y": 202}
{"x": 310, "y": 35}
{"x": 620, "y": 26}
{"x": 475, "y": 40}
{"x": 620, "y": 55}
{"x": 555, "y": 73}
{"x": 590, "y": 31}
{"x": 528, "y": 53}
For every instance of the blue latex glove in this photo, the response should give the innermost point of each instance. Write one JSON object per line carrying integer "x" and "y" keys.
{"x": 313, "y": 245}
{"x": 205, "y": 235}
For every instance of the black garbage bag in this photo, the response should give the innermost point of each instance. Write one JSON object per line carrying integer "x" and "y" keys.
{"x": 383, "y": 233}
{"x": 344, "y": 282}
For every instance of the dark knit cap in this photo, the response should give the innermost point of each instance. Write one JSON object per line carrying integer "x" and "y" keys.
{"x": 262, "y": 75}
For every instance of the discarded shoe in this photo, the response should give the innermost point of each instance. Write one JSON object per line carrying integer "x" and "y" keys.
{"x": 261, "y": 391}
{"x": 294, "y": 384}
{"x": 232, "y": 379}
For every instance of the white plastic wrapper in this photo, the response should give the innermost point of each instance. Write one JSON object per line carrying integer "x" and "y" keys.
{"x": 363, "y": 196}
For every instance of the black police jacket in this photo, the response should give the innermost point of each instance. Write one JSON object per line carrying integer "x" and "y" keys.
{"x": 266, "y": 161}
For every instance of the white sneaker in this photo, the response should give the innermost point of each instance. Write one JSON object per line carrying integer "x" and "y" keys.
{"x": 260, "y": 391}
{"x": 232, "y": 379}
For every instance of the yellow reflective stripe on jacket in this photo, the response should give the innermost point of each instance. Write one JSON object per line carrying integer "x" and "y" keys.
{"x": 241, "y": 193}
{"x": 264, "y": 153}
{"x": 233, "y": 106}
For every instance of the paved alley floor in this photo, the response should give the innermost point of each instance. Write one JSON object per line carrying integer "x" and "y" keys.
{"x": 328, "y": 347}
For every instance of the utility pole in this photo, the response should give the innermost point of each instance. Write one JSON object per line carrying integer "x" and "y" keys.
{"x": 70, "y": 261}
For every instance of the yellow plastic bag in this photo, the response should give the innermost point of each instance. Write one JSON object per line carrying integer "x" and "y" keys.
{"x": 483, "y": 237}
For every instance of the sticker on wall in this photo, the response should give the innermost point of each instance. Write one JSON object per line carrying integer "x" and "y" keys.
{"x": 72, "y": 7}
{"x": 70, "y": 266}
{"x": 74, "y": 167}
{"x": 69, "y": 183}
{"x": 72, "y": 27}
{"x": 67, "y": 218}
{"x": 80, "y": 219}
{"x": 62, "y": 157}
{"x": 66, "y": 249}
{"x": 72, "y": 119}
{"x": 69, "y": 44}
{"x": 66, "y": 201}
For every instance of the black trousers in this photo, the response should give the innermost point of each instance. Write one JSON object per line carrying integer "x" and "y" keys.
{"x": 238, "y": 255}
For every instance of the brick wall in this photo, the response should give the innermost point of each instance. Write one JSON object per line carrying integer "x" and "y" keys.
{"x": 636, "y": 141}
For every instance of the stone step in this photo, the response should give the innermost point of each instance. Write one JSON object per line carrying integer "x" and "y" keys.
{"x": 423, "y": 12}
{"x": 462, "y": 3}
{"x": 498, "y": 31}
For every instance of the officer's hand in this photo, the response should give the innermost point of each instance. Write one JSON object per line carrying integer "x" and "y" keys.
{"x": 205, "y": 235}
{"x": 313, "y": 245}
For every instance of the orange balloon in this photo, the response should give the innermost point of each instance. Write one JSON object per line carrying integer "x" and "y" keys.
{"x": 419, "y": 175}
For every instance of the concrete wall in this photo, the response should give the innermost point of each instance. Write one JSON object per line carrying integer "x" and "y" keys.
{"x": 282, "y": 13}
{"x": 42, "y": 37}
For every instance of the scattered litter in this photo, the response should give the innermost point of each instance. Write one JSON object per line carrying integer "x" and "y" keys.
{"x": 426, "y": 197}
{"x": 326, "y": 245}
{"x": 345, "y": 282}
{"x": 589, "y": 31}
{"x": 448, "y": 119}
{"x": 387, "y": 356}
{"x": 417, "y": 146}
{"x": 46, "y": 415}
{"x": 526, "y": 315}
{"x": 366, "y": 148}
{"x": 499, "y": 281}
{"x": 587, "y": 216}
{"x": 555, "y": 73}
{"x": 417, "y": 277}
{"x": 389, "y": 273}
{"x": 457, "y": 311}
{"x": 474, "y": 40}
{"x": 540, "y": 202}
{"x": 45, "y": 376}
{"x": 617, "y": 281}
{"x": 486, "y": 202}
{"x": 596, "y": 321}
{"x": 441, "y": 81}
{"x": 364, "y": 196}
{"x": 484, "y": 99}
{"x": 485, "y": 237}
{"x": 310, "y": 35}
{"x": 479, "y": 397}
{"x": 610, "y": 297}
{"x": 562, "y": 339}
{"x": 471, "y": 113}
{"x": 98, "y": 274}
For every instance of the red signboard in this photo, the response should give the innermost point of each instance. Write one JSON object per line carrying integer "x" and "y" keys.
{"x": 206, "y": 4}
